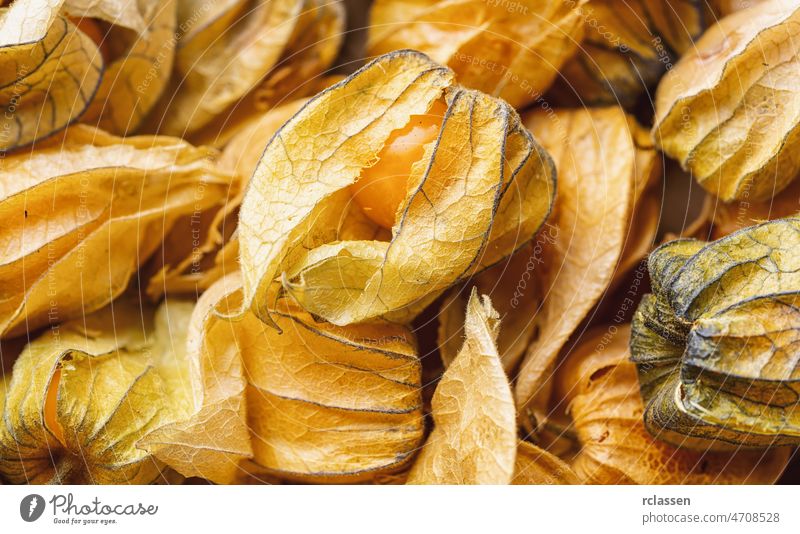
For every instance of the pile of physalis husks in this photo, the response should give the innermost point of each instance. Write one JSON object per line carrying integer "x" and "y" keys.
{"x": 221, "y": 260}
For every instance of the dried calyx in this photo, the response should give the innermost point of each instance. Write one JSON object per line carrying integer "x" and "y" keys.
{"x": 716, "y": 342}
{"x": 729, "y": 110}
{"x": 458, "y": 209}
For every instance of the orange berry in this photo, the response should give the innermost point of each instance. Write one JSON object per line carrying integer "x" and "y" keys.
{"x": 382, "y": 188}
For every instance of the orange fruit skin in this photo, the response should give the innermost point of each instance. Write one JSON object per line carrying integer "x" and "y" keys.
{"x": 381, "y": 188}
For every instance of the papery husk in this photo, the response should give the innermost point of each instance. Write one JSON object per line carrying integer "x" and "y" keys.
{"x": 313, "y": 398}
{"x": 725, "y": 7}
{"x": 603, "y": 175}
{"x": 728, "y": 111}
{"x": 715, "y": 344}
{"x": 236, "y": 48}
{"x": 537, "y": 466}
{"x": 514, "y": 284}
{"x": 733, "y": 216}
{"x": 503, "y": 180}
{"x": 49, "y": 72}
{"x": 259, "y": 107}
{"x": 83, "y": 211}
{"x": 474, "y": 437}
{"x": 198, "y": 251}
{"x": 243, "y": 152}
{"x": 513, "y": 287}
{"x": 127, "y": 14}
{"x": 628, "y": 46}
{"x": 140, "y": 66}
{"x": 645, "y": 215}
{"x": 600, "y": 386}
{"x": 509, "y": 50}
{"x": 212, "y": 440}
{"x": 301, "y": 72}
{"x": 83, "y": 393}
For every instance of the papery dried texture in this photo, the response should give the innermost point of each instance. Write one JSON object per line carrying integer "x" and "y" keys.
{"x": 139, "y": 65}
{"x": 212, "y": 440}
{"x": 537, "y": 466}
{"x": 513, "y": 287}
{"x": 729, "y": 110}
{"x": 83, "y": 211}
{"x": 628, "y": 46}
{"x": 511, "y": 50}
{"x": 49, "y": 71}
{"x": 84, "y": 393}
{"x": 733, "y": 216}
{"x": 646, "y": 205}
{"x": 199, "y": 250}
{"x": 243, "y": 152}
{"x": 599, "y": 385}
{"x": 126, "y": 13}
{"x": 725, "y": 7}
{"x": 716, "y": 342}
{"x": 601, "y": 169}
{"x": 302, "y": 71}
{"x": 466, "y": 205}
{"x": 474, "y": 437}
{"x": 228, "y": 51}
{"x": 260, "y": 107}
{"x": 323, "y": 403}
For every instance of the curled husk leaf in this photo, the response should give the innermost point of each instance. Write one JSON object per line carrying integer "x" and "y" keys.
{"x": 139, "y": 65}
{"x": 599, "y": 385}
{"x": 84, "y": 393}
{"x": 315, "y": 397}
{"x": 716, "y": 341}
{"x": 127, "y": 14}
{"x": 603, "y": 174}
{"x": 262, "y": 107}
{"x": 199, "y": 250}
{"x": 511, "y": 50}
{"x": 83, "y": 211}
{"x": 212, "y": 440}
{"x": 474, "y": 438}
{"x": 726, "y": 7}
{"x": 628, "y": 45}
{"x": 646, "y": 205}
{"x": 243, "y": 54}
{"x": 49, "y": 72}
{"x": 513, "y": 287}
{"x": 466, "y": 206}
{"x": 729, "y": 112}
{"x": 313, "y": 47}
{"x": 537, "y": 466}
{"x": 730, "y": 217}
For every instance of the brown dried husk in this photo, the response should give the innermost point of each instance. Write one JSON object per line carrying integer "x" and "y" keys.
{"x": 303, "y": 404}
{"x": 600, "y": 386}
{"x": 84, "y": 210}
{"x": 509, "y": 50}
{"x": 602, "y": 224}
{"x": 503, "y": 179}
{"x": 728, "y": 111}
